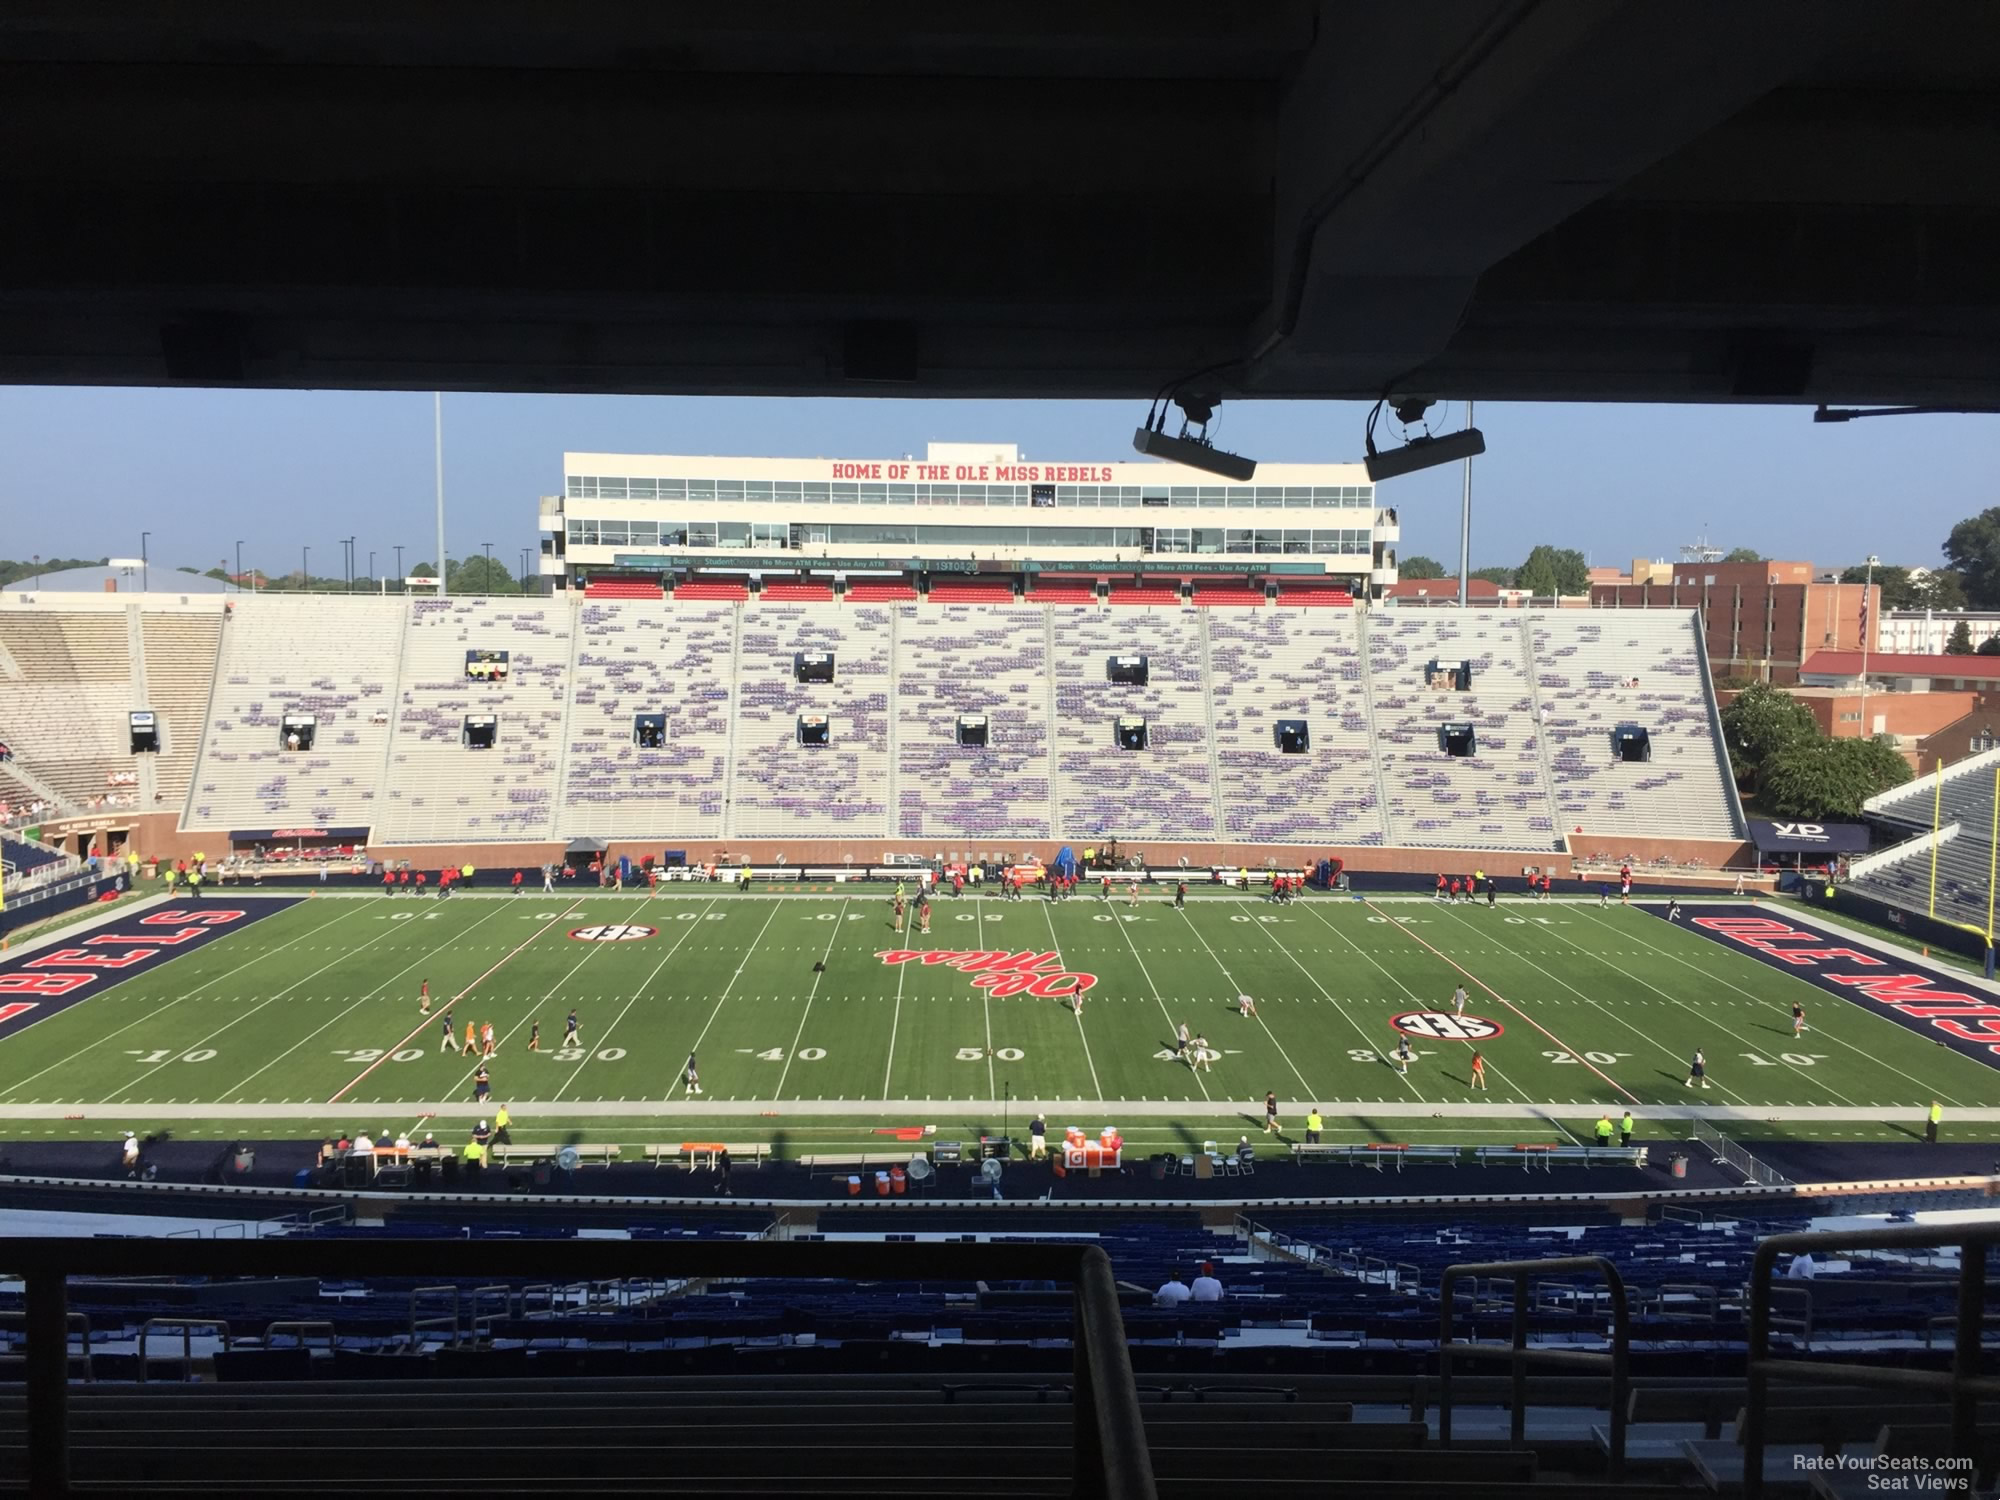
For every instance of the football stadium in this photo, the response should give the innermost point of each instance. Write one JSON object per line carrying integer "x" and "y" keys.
{"x": 962, "y": 970}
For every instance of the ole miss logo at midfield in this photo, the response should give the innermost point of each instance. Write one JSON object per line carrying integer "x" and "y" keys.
{"x": 1003, "y": 973}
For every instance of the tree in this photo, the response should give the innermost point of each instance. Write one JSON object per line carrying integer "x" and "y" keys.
{"x": 423, "y": 570}
{"x": 1973, "y": 550}
{"x": 1960, "y": 643}
{"x": 1899, "y": 590}
{"x": 1550, "y": 571}
{"x": 1762, "y": 722}
{"x": 1989, "y": 647}
{"x": 12, "y": 571}
{"x": 1742, "y": 555}
{"x": 1420, "y": 567}
{"x": 1504, "y": 577}
{"x": 220, "y": 575}
{"x": 184, "y": 568}
{"x": 478, "y": 575}
{"x": 1816, "y": 779}
{"x": 1940, "y": 589}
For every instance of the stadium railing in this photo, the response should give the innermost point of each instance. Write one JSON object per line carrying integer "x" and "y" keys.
{"x": 1961, "y": 1386}
{"x": 1523, "y": 1273}
{"x": 1726, "y": 1150}
{"x": 1111, "y": 1454}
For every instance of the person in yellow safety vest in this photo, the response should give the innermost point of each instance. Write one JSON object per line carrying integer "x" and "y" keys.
{"x": 466, "y": 873}
{"x": 500, "y": 1120}
{"x": 1313, "y": 1126}
{"x": 1604, "y": 1128}
{"x": 1243, "y": 877}
{"x": 1936, "y": 1119}
{"x": 1625, "y": 1129}
{"x": 475, "y": 1154}
{"x": 194, "y": 883}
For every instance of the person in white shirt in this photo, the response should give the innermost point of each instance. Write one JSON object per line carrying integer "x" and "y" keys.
{"x": 1172, "y": 1293}
{"x": 1206, "y": 1287}
{"x": 402, "y": 1141}
{"x": 1802, "y": 1267}
{"x": 131, "y": 1152}
{"x": 363, "y": 1145}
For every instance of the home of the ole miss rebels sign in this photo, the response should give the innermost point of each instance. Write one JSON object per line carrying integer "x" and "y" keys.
{"x": 1001, "y": 972}
{"x": 1920, "y": 999}
{"x": 977, "y": 473}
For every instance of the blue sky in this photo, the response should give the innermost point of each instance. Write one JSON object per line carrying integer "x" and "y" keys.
{"x": 83, "y": 471}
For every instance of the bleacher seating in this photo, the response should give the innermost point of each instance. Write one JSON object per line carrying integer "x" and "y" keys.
{"x": 704, "y": 589}
{"x": 623, "y": 588}
{"x": 438, "y": 790}
{"x": 1206, "y": 594}
{"x": 956, "y": 660}
{"x": 1061, "y": 591}
{"x": 863, "y": 592}
{"x": 1314, "y": 595}
{"x": 180, "y": 649}
{"x": 1164, "y": 791}
{"x": 1902, "y": 874}
{"x": 779, "y": 591}
{"x": 331, "y": 657}
{"x": 66, "y": 693}
{"x": 1496, "y": 798}
{"x": 951, "y": 591}
{"x": 21, "y": 856}
{"x": 1586, "y": 663}
{"x": 782, "y": 788}
{"x": 640, "y": 658}
{"x": 1146, "y": 594}
{"x": 1276, "y": 665}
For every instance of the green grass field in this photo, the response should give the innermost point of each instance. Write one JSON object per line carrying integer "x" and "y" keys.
{"x": 307, "y": 1022}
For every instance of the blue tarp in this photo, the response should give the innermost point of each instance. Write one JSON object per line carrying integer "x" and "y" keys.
{"x": 1065, "y": 862}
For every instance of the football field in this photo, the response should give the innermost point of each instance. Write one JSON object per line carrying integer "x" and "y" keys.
{"x": 817, "y": 1018}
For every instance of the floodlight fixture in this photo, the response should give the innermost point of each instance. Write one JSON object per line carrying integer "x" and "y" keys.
{"x": 1418, "y": 453}
{"x": 1190, "y": 448}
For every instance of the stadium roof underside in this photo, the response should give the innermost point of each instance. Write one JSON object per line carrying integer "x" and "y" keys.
{"x": 1508, "y": 199}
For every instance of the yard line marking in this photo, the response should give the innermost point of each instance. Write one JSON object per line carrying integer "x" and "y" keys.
{"x": 414, "y": 963}
{"x": 1056, "y": 943}
{"x": 1634, "y": 1098}
{"x": 424, "y": 1024}
{"x": 1165, "y": 1014}
{"x": 1706, "y": 974}
{"x": 724, "y": 996}
{"x": 985, "y": 1000}
{"x": 345, "y": 954}
{"x": 1230, "y": 979}
{"x": 818, "y": 974}
{"x": 1373, "y": 1046}
{"x": 190, "y": 995}
{"x": 896, "y": 1016}
{"x": 687, "y": 933}
{"x": 1672, "y": 1000}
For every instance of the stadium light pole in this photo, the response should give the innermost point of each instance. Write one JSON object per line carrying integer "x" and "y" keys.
{"x": 488, "y": 580}
{"x": 144, "y": 574}
{"x": 239, "y": 565}
{"x": 437, "y": 414}
{"x": 350, "y": 563}
{"x": 399, "y": 570}
{"x": 371, "y": 570}
{"x": 305, "y": 576}
{"x": 524, "y": 569}
{"x": 1465, "y": 523}
{"x": 1867, "y": 590}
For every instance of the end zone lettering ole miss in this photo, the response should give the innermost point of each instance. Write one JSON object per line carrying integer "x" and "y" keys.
{"x": 1970, "y": 1023}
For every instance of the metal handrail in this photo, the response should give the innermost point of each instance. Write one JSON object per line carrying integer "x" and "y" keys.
{"x": 1111, "y": 1457}
{"x": 1962, "y": 1385}
{"x": 1519, "y": 1356}
{"x": 187, "y": 1326}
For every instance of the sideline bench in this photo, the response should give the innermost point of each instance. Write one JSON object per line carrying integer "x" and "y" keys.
{"x": 857, "y": 1160}
{"x": 752, "y": 1152}
{"x": 1377, "y": 1154}
{"x": 603, "y": 1155}
{"x": 1547, "y": 1157}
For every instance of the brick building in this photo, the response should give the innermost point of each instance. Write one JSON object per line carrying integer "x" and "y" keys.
{"x": 1762, "y": 620}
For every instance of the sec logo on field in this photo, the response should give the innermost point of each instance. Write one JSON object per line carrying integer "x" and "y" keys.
{"x": 614, "y": 932}
{"x": 1442, "y": 1026}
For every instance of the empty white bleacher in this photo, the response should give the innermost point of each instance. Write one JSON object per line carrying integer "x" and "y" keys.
{"x": 331, "y": 657}
{"x": 180, "y": 648}
{"x": 971, "y": 659}
{"x": 1284, "y": 664}
{"x": 66, "y": 697}
{"x": 780, "y": 788}
{"x": 1586, "y": 663}
{"x": 1495, "y": 798}
{"x": 1164, "y": 791}
{"x": 437, "y": 790}
{"x": 1904, "y": 874}
{"x": 649, "y": 657}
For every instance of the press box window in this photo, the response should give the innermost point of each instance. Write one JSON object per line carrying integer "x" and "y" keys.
{"x": 649, "y": 731}
{"x": 145, "y": 733}
{"x": 1449, "y": 676}
{"x": 479, "y": 731}
{"x": 972, "y": 729}
{"x": 297, "y": 730}
{"x": 815, "y": 729}
{"x": 1457, "y": 740}
{"x": 812, "y": 666}
{"x": 1631, "y": 743}
{"x": 486, "y": 666}
{"x": 1131, "y": 733}
{"x": 1293, "y": 736}
{"x": 1136, "y": 670}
